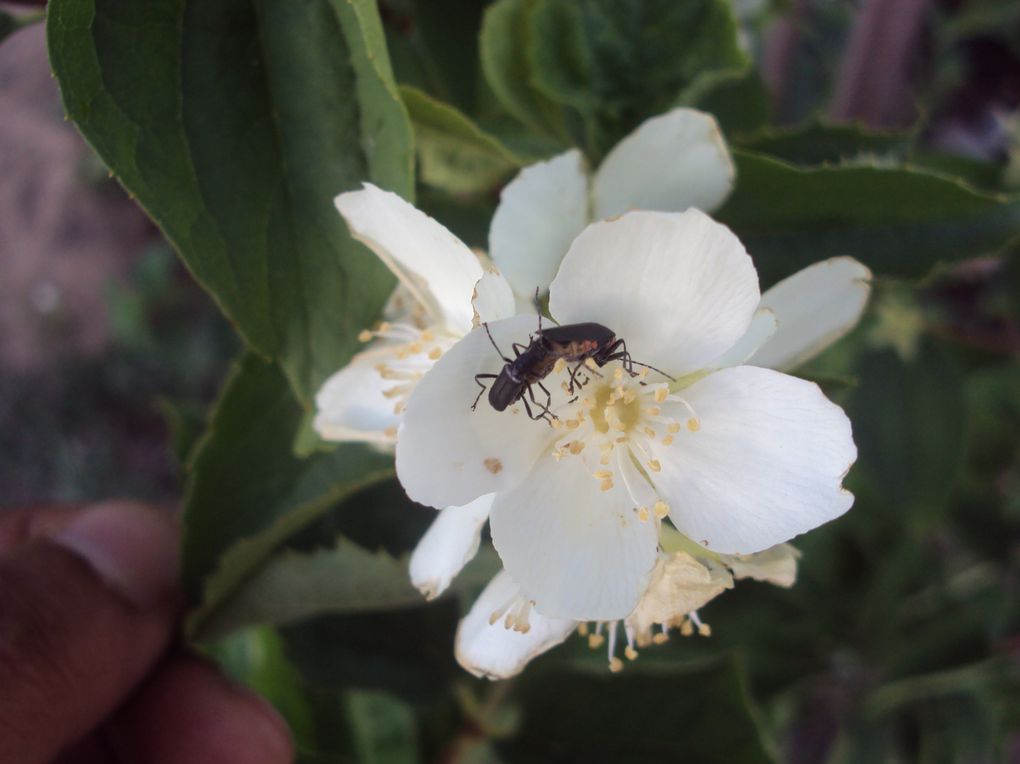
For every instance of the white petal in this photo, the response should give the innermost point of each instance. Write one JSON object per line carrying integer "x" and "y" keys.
{"x": 493, "y": 298}
{"x": 448, "y": 545}
{"x": 777, "y": 565}
{"x": 539, "y": 214}
{"x": 814, "y": 307}
{"x": 679, "y": 585}
{"x": 765, "y": 465}
{"x": 350, "y": 405}
{"x": 669, "y": 163}
{"x": 679, "y": 288}
{"x": 576, "y": 551}
{"x": 494, "y": 651}
{"x": 449, "y": 455}
{"x": 763, "y": 326}
{"x": 434, "y": 264}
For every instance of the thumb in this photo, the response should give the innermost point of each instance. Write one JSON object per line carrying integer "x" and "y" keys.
{"x": 83, "y": 616}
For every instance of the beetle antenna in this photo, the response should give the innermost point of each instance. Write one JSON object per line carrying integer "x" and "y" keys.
{"x": 649, "y": 366}
{"x": 507, "y": 360}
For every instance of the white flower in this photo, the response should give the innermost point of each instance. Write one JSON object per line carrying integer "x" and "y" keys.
{"x": 669, "y": 163}
{"x": 502, "y": 633}
{"x": 740, "y": 458}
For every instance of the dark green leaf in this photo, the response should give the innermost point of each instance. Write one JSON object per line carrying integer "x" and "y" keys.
{"x": 249, "y": 492}
{"x": 504, "y": 45}
{"x": 449, "y": 36}
{"x": 739, "y": 101}
{"x": 234, "y": 124}
{"x": 898, "y": 221}
{"x": 7, "y": 25}
{"x": 700, "y": 714}
{"x": 384, "y": 728}
{"x": 616, "y": 64}
{"x": 293, "y": 585}
{"x": 817, "y": 142}
{"x": 454, "y": 153}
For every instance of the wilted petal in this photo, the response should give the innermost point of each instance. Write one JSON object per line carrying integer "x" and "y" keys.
{"x": 576, "y": 550}
{"x": 814, "y": 307}
{"x": 679, "y": 585}
{"x": 448, "y": 545}
{"x": 434, "y": 264}
{"x": 765, "y": 464}
{"x": 539, "y": 214}
{"x": 679, "y": 288}
{"x": 669, "y": 163}
{"x": 350, "y": 405}
{"x": 493, "y": 651}
{"x": 449, "y": 455}
{"x": 777, "y": 565}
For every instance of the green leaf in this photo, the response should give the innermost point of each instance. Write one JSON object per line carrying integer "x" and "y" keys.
{"x": 454, "y": 153}
{"x": 234, "y": 124}
{"x": 739, "y": 101}
{"x": 897, "y": 220}
{"x": 248, "y": 492}
{"x": 291, "y": 586}
{"x": 909, "y": 418}
{"x": 504, "y": 45}
{"x": 616, "y": 64}
{"x": 697, "y": 714}
{"x": 384, "y": 728}
{"x": 817, "y": 142}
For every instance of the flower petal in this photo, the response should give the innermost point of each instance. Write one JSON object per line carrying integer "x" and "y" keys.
{"x": 678, "y": 287}
{"x": 433, "y": 263}
{"x": 814, "y": 307}
{"x": 493, "y": 651}
{"x": 576, "y": 551}
{"x": 350, "y": 405}
{"x": 765, "y": 465}
{"x": 493, "y": 298}
{"x": 539, "y": 214}
{"x": 669, "y": 163}
{"x": 448, "y": 545}
{"x": 763, "y": 326}
{"x": 777, "y": 565}
{"x": 449, "y": 455}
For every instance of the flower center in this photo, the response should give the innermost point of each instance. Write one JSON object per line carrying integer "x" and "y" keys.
{"x": 618, "y": 425}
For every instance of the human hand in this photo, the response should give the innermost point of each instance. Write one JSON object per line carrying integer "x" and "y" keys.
{"x": 88, "y": 610}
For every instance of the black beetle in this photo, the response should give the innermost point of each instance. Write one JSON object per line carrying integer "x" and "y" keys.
{"x": 574, "y": 343}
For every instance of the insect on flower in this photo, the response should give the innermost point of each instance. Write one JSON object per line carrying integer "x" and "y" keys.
{"x": 587, "y": 345}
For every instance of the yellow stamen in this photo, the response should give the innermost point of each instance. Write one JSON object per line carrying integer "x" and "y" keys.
{"x": 364, "y": 335}
{"x": 615, "y": 665}
{"x": 660, "y": 394}
{"x": 631, "y": 653}
{"x": 434, "y": 353}
{"x": 654, "y": 466}
{"x": 559, "y": 366}
{"x": 595, "y": 641}
{"x": 660, "y": 509}
{"x": 606, "y": 485}
{"x": 693, "y": 425}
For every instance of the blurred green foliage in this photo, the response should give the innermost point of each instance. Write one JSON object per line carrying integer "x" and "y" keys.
{"x": 900, "y": 641}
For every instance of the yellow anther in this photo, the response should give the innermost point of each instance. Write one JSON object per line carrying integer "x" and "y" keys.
{"x": 558, "y": 454}
{"x": 393, "y": 392}
{"x": 595, "y": 641}
{"x": 414, "y": 348}
{"x": 642, "y": 514}
{"x": 493, "y": 617}
{"x": 622, "y": 439}
{"x": 673, "y": 427}
{"x": 426, "y": 335}
{"x": 660, "y": 394}
{"x": 618, "y": 373}
{"x": 384, "y": 327}
{"x": 390, "y": 432}
{"x": 582, "y": 629}
{"x": 565, "y": 387}
{"x": 590, "y": 363}
{"x": 435, "y": 352}
{"x": 398, "y": 407}
{"x": 650, "y": 432}
{"x": 643, "y": 373}
{"x": 605, "y": 458}
{"x": 629, "y": 396}
{"x": 654, "y": 466}
{"x": 556, "y": 424}
{"x": 577, "y": 447}
{"x": 606, "y": 445}
{"x": 573, "y": 424}
{"x": 687, "y": 628}
{"x": 587, "y": 403}
{"x": 693, "y": 425}
{"x": 653, "y": 411}
{"x": 606, "y": 485}
{"x": 667, "y": 439}
{"x": 615, "y": 665}
{"x": 602, "y": 474}
{"x": 660, "y": 509}
{"x": 631, "y": 653}
{"x": 660, "y": 638}
{"x": 559, "y": 366}
{"x": 364, "y": 335}
{"x": 704, "y": 630}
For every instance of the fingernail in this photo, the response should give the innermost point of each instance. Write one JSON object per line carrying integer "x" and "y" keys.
{"x": 132, "y": 547}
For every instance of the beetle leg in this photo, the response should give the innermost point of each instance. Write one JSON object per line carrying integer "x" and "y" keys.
{"x": 548, "y": 399}
{"x": 546, "y": 413}
{"x": 478, "y": 381}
